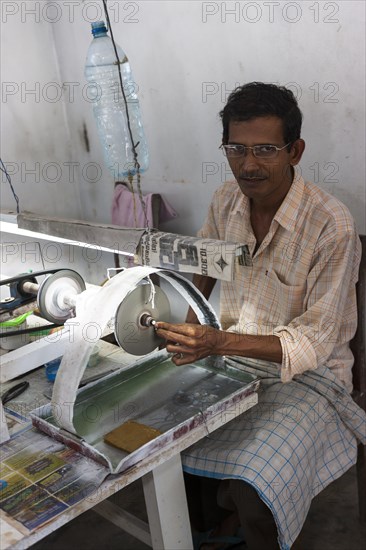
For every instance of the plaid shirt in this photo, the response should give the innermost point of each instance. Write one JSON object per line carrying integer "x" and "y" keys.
{"x": 301, "y": 286}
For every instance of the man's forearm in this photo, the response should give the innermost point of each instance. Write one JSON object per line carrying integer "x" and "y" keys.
{"x": 204, "y": 285}
{"x": 267, "y": 348}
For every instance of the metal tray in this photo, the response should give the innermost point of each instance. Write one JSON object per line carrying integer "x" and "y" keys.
{"x": 154, "y": 392}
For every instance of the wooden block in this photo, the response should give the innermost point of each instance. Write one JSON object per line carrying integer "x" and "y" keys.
{"x": 130, "y": 436}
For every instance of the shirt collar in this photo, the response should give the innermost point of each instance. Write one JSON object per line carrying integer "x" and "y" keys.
{"x": 242, "y": 205}
{"x": 287, "y": 213}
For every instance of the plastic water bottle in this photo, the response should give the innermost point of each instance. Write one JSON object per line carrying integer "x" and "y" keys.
{"x": 101, "y": 71}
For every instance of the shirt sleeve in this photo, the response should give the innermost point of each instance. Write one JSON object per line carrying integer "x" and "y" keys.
{"x": 330, "y": 318}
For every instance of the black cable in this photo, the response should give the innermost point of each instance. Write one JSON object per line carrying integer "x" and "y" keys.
{"x": 41, "y": 328}
{"x": 3, "y": 169}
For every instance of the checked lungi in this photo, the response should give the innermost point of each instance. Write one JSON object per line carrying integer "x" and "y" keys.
{"x": 300, "y": 437}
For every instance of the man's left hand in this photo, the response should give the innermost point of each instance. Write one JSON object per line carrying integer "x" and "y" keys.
{"x": 189, "y": 342}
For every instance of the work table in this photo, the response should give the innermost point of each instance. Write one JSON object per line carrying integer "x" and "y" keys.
{"x": 161, "y": 472}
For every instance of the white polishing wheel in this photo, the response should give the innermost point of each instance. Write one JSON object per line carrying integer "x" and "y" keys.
{"x": 56, "y": 293}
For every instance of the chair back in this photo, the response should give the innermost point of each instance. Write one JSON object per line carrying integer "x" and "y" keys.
{"x": 358, "y": 343}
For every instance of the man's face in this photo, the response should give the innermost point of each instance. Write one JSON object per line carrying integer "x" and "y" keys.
{"x": 263, "y": 180}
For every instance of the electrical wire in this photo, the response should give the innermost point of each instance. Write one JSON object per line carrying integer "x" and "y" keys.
{"x": 134, "y": 151}
{"x": 4, "y": 170}
{"x": 8, "y": 333}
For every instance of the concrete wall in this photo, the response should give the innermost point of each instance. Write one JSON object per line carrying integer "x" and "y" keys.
{"x": 186, "y": 56}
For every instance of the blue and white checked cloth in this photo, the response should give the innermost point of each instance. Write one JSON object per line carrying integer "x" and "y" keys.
{"x": 299, "y": 438}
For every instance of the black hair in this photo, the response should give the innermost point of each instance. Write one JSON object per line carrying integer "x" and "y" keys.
{"x": 257, "y": 99}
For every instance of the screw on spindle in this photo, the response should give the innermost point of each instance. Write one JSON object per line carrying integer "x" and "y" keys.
{"x": 146, "y": 320}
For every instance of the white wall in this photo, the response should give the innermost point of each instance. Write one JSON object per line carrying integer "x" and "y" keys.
{"x": 35, "y": 140}
{"x": 186, "y": 56}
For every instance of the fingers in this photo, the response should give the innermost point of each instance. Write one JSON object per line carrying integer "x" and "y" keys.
{"x": 179, "y": 349}
{"x": 184, "y": 358}
{"x": 180, "y": 359}
{"x": 175, "y": 337}
{"x": 180, "y": 328}
{"x": 183, "y": 334}
{"x": 181, "y": 354}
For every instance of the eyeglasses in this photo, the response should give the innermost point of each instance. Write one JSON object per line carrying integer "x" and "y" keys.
{"x": 234, "y": 150}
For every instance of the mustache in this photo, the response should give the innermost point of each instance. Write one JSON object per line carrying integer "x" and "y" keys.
{"x": 248, "y": 175}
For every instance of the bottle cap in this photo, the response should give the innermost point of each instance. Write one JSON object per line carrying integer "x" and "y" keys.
{"x": 99, "y": 28}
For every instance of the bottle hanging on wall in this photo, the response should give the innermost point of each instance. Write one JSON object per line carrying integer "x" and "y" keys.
{"x": 101, "y": 71}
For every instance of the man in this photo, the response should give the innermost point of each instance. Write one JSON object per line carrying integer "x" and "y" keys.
{"x": 291, "y": 316}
